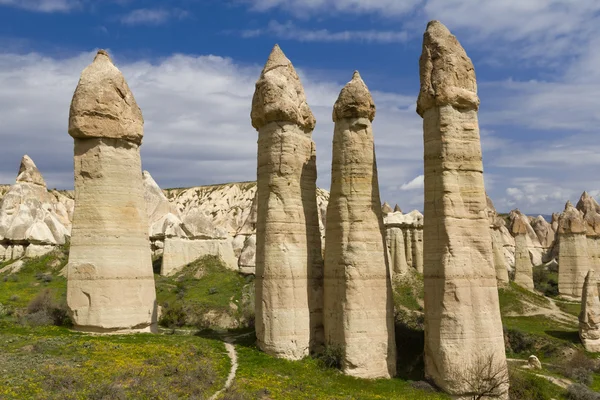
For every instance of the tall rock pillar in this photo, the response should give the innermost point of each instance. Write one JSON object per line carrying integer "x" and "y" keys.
{"x": 463, "y": 329}
{"x": 110, "y": 286}
{"x": 589, "y": 318}
{"x": 523, "y": 265}
{"x": 289, "y": 264}
{"x": 358, "y": 308}
{"x": 573, "y": 259}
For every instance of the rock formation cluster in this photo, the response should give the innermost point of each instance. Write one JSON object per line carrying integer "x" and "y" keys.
{"x": 589, "y": 318}
{"x": 33, "y": 221}
{"x": 404, "y": 239}
{"x": 110, "y": 283}
{"x": 358, "y": 311}
{"x": 462, "y": 314}
{"x": 288, "y": 242}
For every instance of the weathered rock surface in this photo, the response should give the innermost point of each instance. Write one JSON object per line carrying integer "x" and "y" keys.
{"x": 591, "y": 218}
{"x": 163, "y": 216}
{"x": 462, "y": 314}
{"x": 110, "y": 283}
{"x": 544, "y": 232}
{"x": 386, "y": 209}
{"x": 288, "y": 244}
{"x": 523, "y": 265}
{"x": 573, "y": 259}
{"x": 503, "y": 244}
{"x": 180, "y": 251}
{"x": 31, "y": 217}
{"x": 589, "y": 318}
{"x": 358, "y": 311}
{"x": 536, "y": 251}
{"x": 534, "y": 362}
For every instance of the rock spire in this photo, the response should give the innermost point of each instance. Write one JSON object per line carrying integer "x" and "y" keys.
{"x": 523, "y": 265}
{"x": 589, "y": 318}
{"x": 358, "y": 309}
{"x": 289, "y": 264}
{"x": 462, "y": 314}
{"x": 573, "y": 259}
{"x": 110, "y": 283}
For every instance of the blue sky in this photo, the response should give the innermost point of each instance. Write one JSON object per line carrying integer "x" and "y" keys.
{"x": 192, "y": 65}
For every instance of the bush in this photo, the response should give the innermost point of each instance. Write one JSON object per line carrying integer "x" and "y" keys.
{"x": 524, "y": 386}
{"x": 332, "y": 356}
{"x": 579, "y": 368}
{"x": 172, "y": 316}
{"x": 580, "y": 392}
{"x": 519, "y": 342}
{"x": 545, "y": 281}
{"x": 44, "y": 310}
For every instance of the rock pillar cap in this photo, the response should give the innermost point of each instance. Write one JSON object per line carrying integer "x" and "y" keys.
{"x": 446, "y": 72}
{"x": 103, "y": 105}
{"x": 354, "y": 101}
{"x": 279, "y": 95}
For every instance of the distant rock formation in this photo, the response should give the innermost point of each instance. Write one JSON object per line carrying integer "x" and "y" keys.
{"x": 589, "y": 318}
{"x": 163, "y": 217}
{"x": 573, "y": 258}
{"x": 503, "y": 245}
{"x": 288, "y": 243}
{"x": 110, "y": 283}
{"x": 523, "y": 265}
{"x": 33, "y": 221}
{"x": 462, "y": 313}
{"x": 358, "y": 311}
{"x": 386, "y": 209}
{"x": 537, "y": 252}
{"x": 404, "y": 239}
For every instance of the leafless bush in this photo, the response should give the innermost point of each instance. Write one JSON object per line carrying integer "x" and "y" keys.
{"x": 485, "y": 377}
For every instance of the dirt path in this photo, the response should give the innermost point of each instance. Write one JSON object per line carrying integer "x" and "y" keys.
{"x": 229, "y": 346}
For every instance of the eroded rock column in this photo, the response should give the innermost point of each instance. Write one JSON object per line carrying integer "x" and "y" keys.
{"x": 573, "y": 259}
{"x": 523, "y": 265}
{"x": 358, "y": 308}
{"x": 463, "y": 329}
{"x": 289, "y": 264}
{"x": 589, "y": 318}
{"x": 110, "y": 285}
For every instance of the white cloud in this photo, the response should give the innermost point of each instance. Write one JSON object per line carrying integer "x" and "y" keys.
{"x": 416, "y": 183}
{"x": 309, "y": 7}
{"x": 197, "y": 120}
{"x": 47, "y": 6}
{"x": 152, "y": 16}
{"x": 289, "y": 31}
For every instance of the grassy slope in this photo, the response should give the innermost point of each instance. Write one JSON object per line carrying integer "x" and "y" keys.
{"x": 55, "y": 363}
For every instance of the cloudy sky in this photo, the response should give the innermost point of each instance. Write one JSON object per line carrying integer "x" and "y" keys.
{"x": 192, "y": 65}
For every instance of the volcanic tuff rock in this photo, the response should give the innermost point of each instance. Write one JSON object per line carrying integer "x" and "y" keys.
{"x": 385, "y": 207}
{"x": 288, "y": 242}
{"x": 32, "y": 220}
{"x": 503, "y": 244}
{"x": 523, "y": 265}
{"x": 409, "y": 229}
{"x": 163, "y": 216}
{"x": 537, "y": 252}
{"x": 358, "y": 311}
{"x": 589, "y": 318}
{"x": 462, "y": 314}
{"x": 573, "y": 259}
{"x": 591, "y": 218}
{"x": 110, "y": 283}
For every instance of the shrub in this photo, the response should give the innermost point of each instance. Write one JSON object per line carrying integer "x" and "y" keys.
{"x": 332, "y": 356}
{"x": 44, "y": 310}
{"x": 580, "y": 392}
{"x": 519, "y": 342}
{"x": 172, "y": 316}
{"x": 579, "y": 368}
{"x": 524, "y": 386}
{"x": 545, "y": 281}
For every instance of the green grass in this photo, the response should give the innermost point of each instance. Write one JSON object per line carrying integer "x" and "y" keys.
{"x": 408, "y": 291}
{"x": 19, "y": 289}
{"x": 570, "y": 308}
{"x": 260, "y": 375}
{"x": 55, "y": 363}
{"x": 514, "y": 299}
